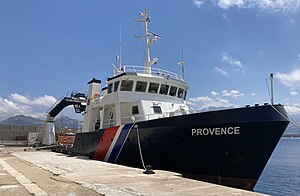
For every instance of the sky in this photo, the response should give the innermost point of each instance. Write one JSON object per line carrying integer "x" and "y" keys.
{"x": 50, "y": 48}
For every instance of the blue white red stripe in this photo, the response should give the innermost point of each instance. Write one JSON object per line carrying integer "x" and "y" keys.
{"x": 112, "y": 142}
{"x": 120, "y": 141}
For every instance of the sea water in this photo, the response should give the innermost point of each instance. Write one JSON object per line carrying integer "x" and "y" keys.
{"x": 281, "y": 175}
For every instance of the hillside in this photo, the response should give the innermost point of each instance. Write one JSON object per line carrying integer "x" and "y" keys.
{"x": 22, "y": 120}
{"x": 292, "y": 129}
{"x": 66, "y": 122}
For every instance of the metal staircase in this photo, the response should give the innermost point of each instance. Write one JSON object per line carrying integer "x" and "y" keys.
{"x": 78, "y": 100}
{"x": 55, "y": 104}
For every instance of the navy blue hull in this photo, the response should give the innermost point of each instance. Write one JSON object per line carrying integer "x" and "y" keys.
{"x": 229, "y": 147}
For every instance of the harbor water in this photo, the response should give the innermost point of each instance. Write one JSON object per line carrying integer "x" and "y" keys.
{"x": 281, "y": 176}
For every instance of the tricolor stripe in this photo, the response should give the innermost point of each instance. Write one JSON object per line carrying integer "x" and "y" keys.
{"x": 112, "y": 142}
{"x": 120, "y": 143}
{"x": 105, "y": 142}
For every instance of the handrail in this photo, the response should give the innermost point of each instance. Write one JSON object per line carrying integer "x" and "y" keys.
{"x": 138, "y": 118}
{"x": 55, "y": 104}
{"x": 154, "y": 71}
{"x": 109, "y": 123}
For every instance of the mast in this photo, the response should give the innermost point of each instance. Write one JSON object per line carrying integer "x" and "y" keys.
{"x": 146, "y": 21}
{"x": 150, "y": 39}
{"x": 120, "y": 50}
{"x": 272, "y": 88}
{"x": 181, "y": 64}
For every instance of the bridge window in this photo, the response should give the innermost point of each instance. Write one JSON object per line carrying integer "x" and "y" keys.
{"x": 109, "y": 88}
{"x": 157, "y": 109}
{"x": 135, "y": 110}
{"x": 180, "y": 93}
{"x": 116, "y": 86}
{"x": 141, "y": 86}
{"x": 185, "y": 93}
{"x": 153, "y": 87}
{"x": 173, "y": 91}
{"x": 126, "y": 85}
{"x": 164, "y": 89}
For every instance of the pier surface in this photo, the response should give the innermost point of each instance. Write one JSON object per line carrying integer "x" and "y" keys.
{"x": 46, "y": 173}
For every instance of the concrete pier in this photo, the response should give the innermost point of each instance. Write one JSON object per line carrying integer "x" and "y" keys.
{"x": 46, "y": 173}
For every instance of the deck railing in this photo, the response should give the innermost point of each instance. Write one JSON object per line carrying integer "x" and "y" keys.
{"x": 138, "y": 118}
{"x": 152, "y": 71}
{"x": 109, "y": 123}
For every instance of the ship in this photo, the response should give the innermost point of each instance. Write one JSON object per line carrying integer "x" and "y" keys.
{"x": 141, "y": 119}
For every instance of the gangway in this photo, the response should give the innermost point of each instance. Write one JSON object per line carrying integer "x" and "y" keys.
{"x": 78, "y": 100}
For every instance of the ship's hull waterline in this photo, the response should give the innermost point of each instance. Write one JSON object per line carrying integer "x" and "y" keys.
{"x": 229, "y": 147}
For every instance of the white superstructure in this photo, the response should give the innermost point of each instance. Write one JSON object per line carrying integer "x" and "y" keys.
{"x": 135, "y": 93}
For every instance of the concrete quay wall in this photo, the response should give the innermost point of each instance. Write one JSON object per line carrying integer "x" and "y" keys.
{"x": 16, "y": 133}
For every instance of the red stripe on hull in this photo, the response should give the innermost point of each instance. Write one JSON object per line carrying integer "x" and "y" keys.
{"x": 105, "y": 143}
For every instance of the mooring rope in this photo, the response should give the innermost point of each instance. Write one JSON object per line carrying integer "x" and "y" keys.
{"x": 294, "y": 122}
{"x": 139, "y": 145}
{"x": 289, "y": 118}
{"x": 268, "y": 89}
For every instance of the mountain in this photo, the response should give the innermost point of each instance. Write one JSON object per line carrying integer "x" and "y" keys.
{"x": 21, "y": 120}
{"x": 66, "y": 122}
{"x": 292, "y": 129}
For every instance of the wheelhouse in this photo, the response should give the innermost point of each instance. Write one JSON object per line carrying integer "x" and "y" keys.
{"x": 138, "y": 96}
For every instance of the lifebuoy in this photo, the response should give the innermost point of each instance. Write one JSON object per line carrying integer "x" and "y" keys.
{"x": 95, "y": 95}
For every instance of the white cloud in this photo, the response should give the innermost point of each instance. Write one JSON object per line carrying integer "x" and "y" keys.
{"x": 236, "y": 64}
{"x": 253, "y": 94}
{"x": 267, "y": 5}
{"x": 220, "y": 71}
{"x": 213, "y": 93}
{"x": 45, "y": 100}
{"x": 225, "y": 4}
{"x": 217, "y": 100}
{"x": 293, "y": 93}
{"x": 233, "y": 94}
{"x": 276, "y": 5}
{"x": 19, "y": 104}
{"x": 8, "y": 107}
{"x": 291, "y": 79}
{"x": 293, "y": 109}
{"x": 204, "y": 103}
{"x": 228, "y": 59}
{"x": 198, "y": 3}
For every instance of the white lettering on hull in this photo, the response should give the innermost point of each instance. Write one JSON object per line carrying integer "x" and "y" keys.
{"x": 216, "y": 131}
